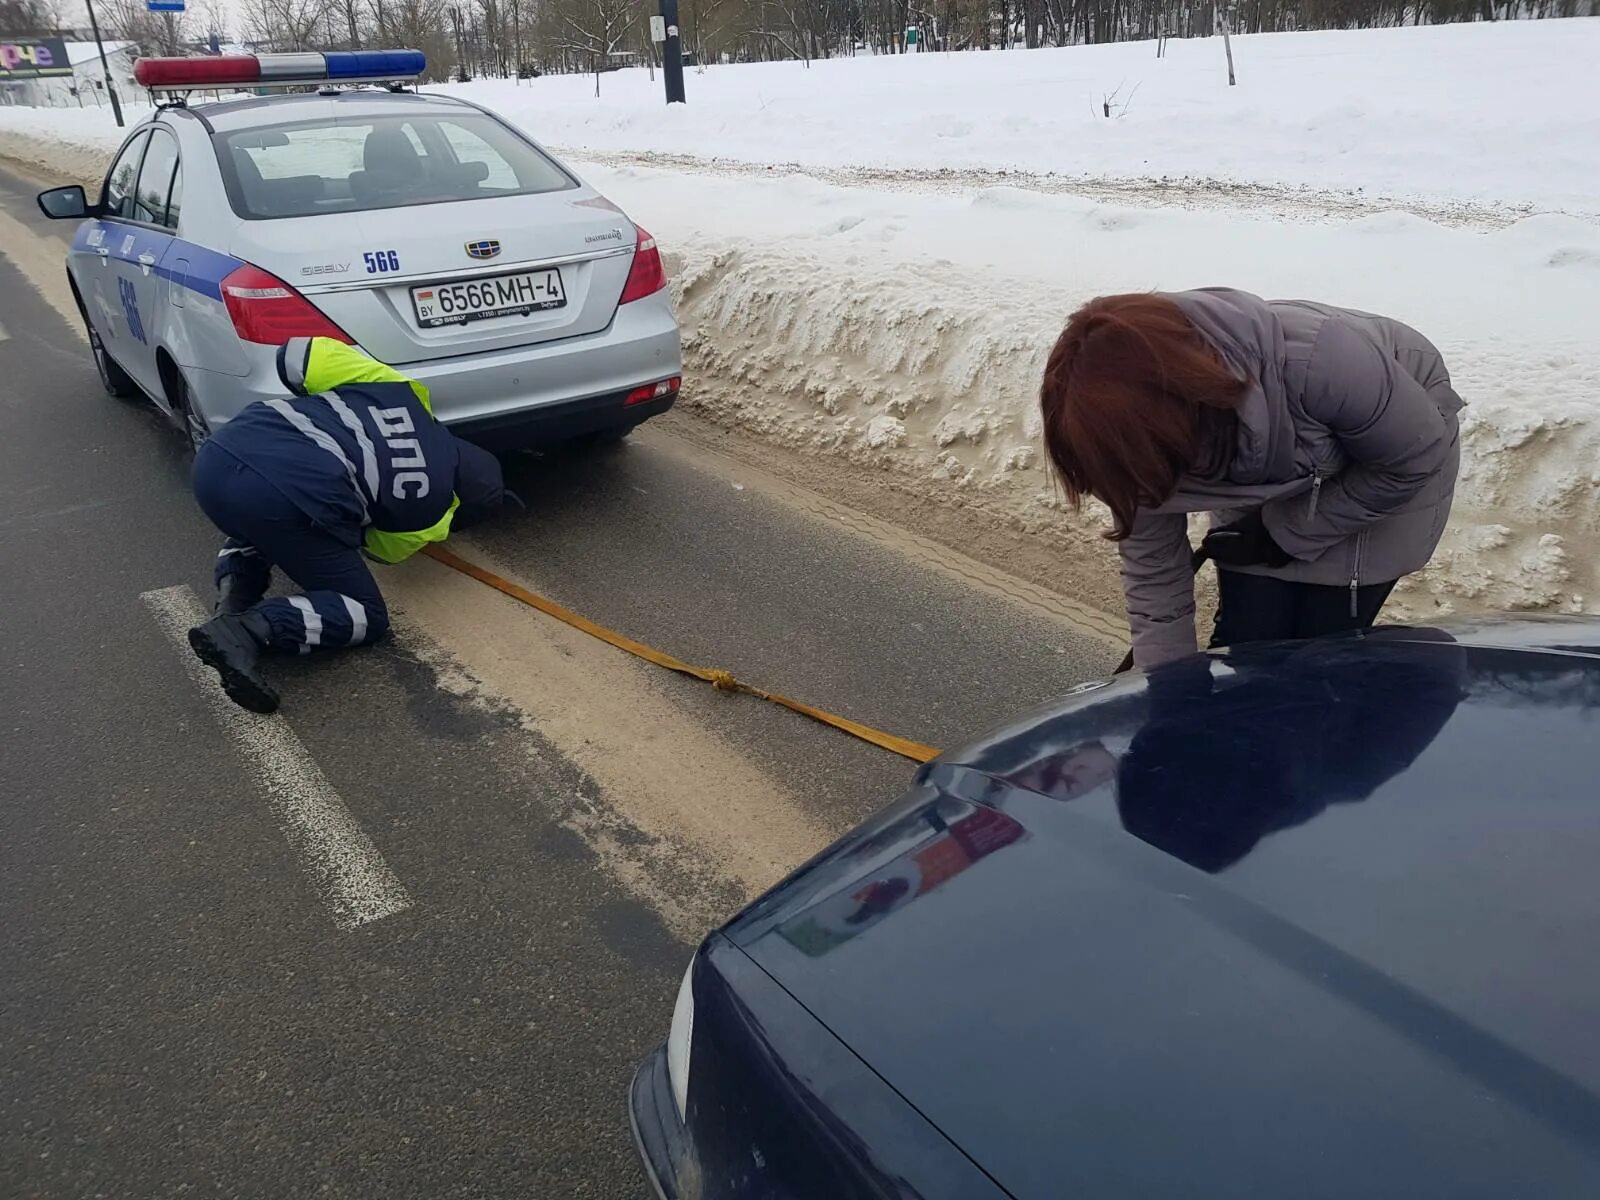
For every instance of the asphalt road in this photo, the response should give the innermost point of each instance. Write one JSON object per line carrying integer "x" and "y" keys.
{"x": 182, "y": 1010}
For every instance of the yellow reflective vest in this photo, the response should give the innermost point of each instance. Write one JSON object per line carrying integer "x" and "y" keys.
{"x": 320, "y": 365}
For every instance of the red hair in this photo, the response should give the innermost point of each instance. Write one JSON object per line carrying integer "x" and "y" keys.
{"x": 1132, "y": 397}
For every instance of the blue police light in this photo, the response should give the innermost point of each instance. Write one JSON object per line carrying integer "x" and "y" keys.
{"x": 375, "y": 64}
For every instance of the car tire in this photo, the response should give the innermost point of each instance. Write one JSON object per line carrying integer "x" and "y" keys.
{"x": 190, "y": 421}
{"x": 117, "y": 382}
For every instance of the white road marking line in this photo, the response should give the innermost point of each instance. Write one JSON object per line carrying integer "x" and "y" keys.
{"x": 343, "y": 864}
{"x": 3, "y": 334}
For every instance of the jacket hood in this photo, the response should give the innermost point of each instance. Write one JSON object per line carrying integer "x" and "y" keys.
{"x": 1243, "y": 329}
{"x": 309, "y": 366}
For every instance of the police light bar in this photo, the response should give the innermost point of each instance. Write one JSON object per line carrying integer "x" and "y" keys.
{"x": 271, "y": 70}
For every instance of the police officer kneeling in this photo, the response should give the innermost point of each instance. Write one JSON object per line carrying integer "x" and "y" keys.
{"x": 354, "y": 463}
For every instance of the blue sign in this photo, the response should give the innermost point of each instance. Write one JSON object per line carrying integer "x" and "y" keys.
{"x": 164, "y": 5}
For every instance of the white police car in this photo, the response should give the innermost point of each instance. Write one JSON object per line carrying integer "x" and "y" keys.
{"x": 422, "y": 228}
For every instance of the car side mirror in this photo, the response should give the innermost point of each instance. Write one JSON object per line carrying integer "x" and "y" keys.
{"x": 64, "y": 203}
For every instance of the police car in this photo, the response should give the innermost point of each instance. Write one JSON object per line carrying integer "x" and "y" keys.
{"x": 422, "y": 228}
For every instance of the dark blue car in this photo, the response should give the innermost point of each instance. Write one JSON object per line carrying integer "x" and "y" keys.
{"x": 1293, "y": 921}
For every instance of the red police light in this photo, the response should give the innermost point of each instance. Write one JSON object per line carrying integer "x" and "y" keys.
{"x": 230, "y": 69}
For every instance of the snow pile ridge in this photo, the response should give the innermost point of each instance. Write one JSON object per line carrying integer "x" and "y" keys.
{"x": 74, "y": 151}
{"x": 863, "y": 349}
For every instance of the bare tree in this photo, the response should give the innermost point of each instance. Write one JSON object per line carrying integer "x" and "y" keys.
{"x": 516, "y": 38}
{"x": 352, "y": 16}
{"x": 214, "y": 18}
{"x": 282, "y": 25}
{"x": 19, "y": 17}
{"x": 502, "y": 36}
{"x": 423, "y": 25}
{"x": 802, "y": 28}
{"x": 787, "y": 32}
{"x": 131, "y": 21}
{"x": 489, "y": 26}
{"x": 596, "y": 29}
{"x": 703, "y": 24}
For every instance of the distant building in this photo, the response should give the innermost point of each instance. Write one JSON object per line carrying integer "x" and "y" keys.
{"x": 85, "y": 87}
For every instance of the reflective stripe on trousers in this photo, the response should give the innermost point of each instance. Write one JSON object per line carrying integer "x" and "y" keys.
{"x": 320, "y": 620}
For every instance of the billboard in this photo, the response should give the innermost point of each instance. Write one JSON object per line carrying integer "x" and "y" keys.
{"x": 31, "y": 58}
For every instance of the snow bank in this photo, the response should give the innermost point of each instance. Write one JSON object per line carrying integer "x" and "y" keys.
{"x": 907, "y": 333}
{"x": 1503, "y": 112}
{"x": 72, "y": 145}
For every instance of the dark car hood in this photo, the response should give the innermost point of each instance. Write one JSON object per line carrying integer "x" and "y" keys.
{"x": 1308, "y": 920}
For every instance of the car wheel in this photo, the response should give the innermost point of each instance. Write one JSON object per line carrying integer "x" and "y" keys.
{"x": 190, "y": 420}
{"x": 113, "y": 378}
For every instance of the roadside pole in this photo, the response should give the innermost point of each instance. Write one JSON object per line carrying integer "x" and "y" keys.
{"x": 1227, "y": 43}
{"x": 94, "y": 27}
{"x": 671, "y": 50}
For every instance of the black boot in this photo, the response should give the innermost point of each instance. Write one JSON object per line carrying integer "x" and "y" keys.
{"x": 232, "y": 598}
{"x": 231, "y": 643}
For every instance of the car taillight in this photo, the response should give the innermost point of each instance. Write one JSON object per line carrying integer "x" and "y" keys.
{"x": 655, "y": 391}
{"x": 267, "y": 310}
{"x": 647, "y": 276}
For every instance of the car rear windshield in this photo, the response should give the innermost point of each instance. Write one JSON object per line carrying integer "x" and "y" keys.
{"x": 345, "y": 165}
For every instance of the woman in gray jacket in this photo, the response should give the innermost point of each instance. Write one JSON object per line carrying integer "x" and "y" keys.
{"x": 1323, "y": 441}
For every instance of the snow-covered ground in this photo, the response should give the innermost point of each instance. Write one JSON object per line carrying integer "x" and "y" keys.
{"x": 902, "y": 326}
{"x": 1501, "y": 112}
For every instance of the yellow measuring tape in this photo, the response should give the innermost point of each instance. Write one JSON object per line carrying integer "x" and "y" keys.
{"x": 723, "y": 681}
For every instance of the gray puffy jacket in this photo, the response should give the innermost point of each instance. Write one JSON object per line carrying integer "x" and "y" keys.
{"x": 1348, "y": 443}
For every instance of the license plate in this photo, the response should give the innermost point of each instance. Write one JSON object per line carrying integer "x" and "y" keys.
{"x": 483, "y": 299}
